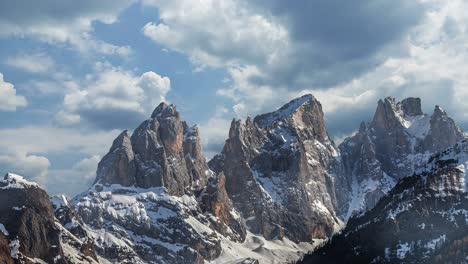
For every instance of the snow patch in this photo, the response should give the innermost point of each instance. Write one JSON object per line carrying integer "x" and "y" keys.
{"x": 3, "y": 230}
{"x": 14, "y": 248}
{"x": 403, "y": 249}
{"x": 14, "y": 181}
{"x": 284, "y": 112}
{"x": 256, "y": 247}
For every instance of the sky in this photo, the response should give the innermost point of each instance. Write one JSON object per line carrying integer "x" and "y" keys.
{"x": 73, "y": 75}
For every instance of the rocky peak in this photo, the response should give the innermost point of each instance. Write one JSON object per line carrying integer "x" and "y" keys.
{"x": 385, "y": 116}
{"x": 14, "y": 181}
{"x": 398, "y": 140}
{"x": 411, "y": 106}
{"x": 118, "y": 167}
{"x": 279, "y": 163}
{"x": 162, "y": 151}
{"x": 439, "y": 112}
{"x": 423, "y": 219}
{"x": 285, "y": 112}
{"x": 28, "y": 224}
{"x": 122, "y": 141}
{"x": 303, "y": 113}
{"x": 164, "y": 110}
{"x": 443, "y": 133}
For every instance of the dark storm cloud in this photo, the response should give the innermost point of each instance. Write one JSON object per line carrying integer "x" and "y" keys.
{"x": 115, "y": 119}
{"x": 27, "y": 12}
{"x": 338, "y": 40}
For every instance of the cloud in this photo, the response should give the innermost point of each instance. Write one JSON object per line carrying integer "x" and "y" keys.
{"x": 72, "y": 180}
{"x": 35, "y": 167}
{"x": 347, "y": 54}
{"x": 113, "y": 98}
{"x": 29, "y": 151}
{"x": 33, "y": 63}
{"x": 299, "y": 45}
{"x": 9, "y": 100}
{"x": 62, "y": 22}
{"x": 216, "y": 33}
{"x": 214, "y": 131}
{"x": 37, "y": 139}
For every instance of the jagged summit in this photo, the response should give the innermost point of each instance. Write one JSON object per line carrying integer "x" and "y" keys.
{"x": 399, "y": 139}
{"x": 411, "y": 106}
{"x": 390, "y": 113}
{"x": 162, "y": 151}
{"x": 423, "y": 219}
{"x": 286, "y": 111}
{"x": 165, "y": 110}
{"x": 14, "y": 181}
{"x": 285, "y": 167}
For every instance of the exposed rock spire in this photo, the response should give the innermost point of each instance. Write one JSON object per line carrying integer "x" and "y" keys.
{"x": 162, "y": 151}
{"x": 280, "y": 172}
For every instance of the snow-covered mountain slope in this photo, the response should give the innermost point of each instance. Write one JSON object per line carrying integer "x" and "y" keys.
{"x": 282, "y": 172}
{"x": 423, "y": 219}
{"x": 399, "y": 139}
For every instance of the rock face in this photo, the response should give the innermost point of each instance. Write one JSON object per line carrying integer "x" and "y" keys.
{"x": 424, "y": 219}
{"x": 28, "y": 230}
{"x": 162, "y": 152}
{"x": 398, "y": 140}
{"x": 281, "y": 169}
{"x": 214, "y": 199}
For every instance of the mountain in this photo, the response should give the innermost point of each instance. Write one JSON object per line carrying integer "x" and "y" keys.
{"x": 155, "y": 199}
{"x": 398, "y": 140}
{"x": 423, "y": 219}
{"x": 281, "y": 172}
{"x": 162, "y": 152}
{"x": 279, "y": 187}
{"x": 29, "y": 231}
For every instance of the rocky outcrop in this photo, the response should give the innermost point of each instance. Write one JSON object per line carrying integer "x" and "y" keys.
{"x": 281, "y": 169}
{"x": 423, "y": 219}
{"x": 443, "y": 133}
{"x": 162, "y": 152}
{"x": 398, "y": 140}
{"x": 118, "y": 166}
{"x": 214, "y": 200}
{"x": 27, "y": 223}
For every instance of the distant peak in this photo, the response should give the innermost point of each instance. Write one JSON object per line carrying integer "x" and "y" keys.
{"x": 439, "y": 110}
{"x": 163, "y": 109}
{"x": 14, "y": 181}
{"x": 411, "y": 106}
{"x": 390, "y": 99}
{"x": 285, "y": 111}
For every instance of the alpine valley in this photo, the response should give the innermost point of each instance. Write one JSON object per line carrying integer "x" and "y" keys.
{"x": 280, "y": 191}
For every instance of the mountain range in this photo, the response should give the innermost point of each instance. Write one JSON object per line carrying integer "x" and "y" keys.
{"x": 281, "y": 190}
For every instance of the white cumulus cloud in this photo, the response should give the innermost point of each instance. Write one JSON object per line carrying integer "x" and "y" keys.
{"x": 113, "y": 93}
{"x": 9, "y": 100}
{"x": 34, "y": 62}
